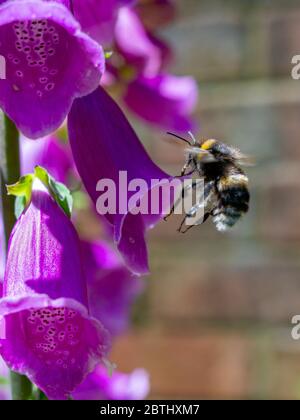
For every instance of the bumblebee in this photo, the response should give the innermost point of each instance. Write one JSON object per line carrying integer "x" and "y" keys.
{"x": 226, "y": 195}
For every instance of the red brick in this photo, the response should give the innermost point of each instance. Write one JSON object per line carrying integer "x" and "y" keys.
{"x": 189, "y": 366}
{"x": 285, "y": 358}
{"x": 279, "y": 203}
{"x": 285, "y": 35}
{"x": 187, "y": 289}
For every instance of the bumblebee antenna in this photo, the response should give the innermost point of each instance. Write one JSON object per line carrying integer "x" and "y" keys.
{"x": 192, "y": 137}
{"x": 180, "y": 138}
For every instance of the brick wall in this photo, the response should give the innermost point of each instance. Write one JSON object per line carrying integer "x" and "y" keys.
{"x": 215, "y": 321}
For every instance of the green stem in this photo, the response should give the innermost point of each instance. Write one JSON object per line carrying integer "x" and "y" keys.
{"x": 10, "y": 170}
{"x": 9, "y": 174}
{"x": 21, "y": 387}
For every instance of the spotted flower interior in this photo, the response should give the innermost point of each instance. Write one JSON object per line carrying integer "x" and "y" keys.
{"x": 35, "y": 67}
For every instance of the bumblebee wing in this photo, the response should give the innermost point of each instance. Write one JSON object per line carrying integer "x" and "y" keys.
{"x": 245, "y": 160}
{"x": 242, "y": 159}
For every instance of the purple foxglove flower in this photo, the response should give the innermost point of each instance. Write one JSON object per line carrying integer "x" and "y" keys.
{"x": 166, "y": 51}
{"x": 4, "y": 380}
{"x": 164, "y": 100}
{"x": 98, "y": 17}
{"x": 120, "y": 386}
{"x": 49, "y": 153}
{"x": 112, "y": 288}
{"x": 48, "y": 334}
{"x": 103, "y": 144}
{"x": 49, "y": 63}
{"x": 134, "y": 43}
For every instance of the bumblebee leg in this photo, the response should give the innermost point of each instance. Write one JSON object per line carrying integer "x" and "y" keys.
{"x": 187, "y": 229}
{"x": 206, "y": 216}
{"x": 170, "y": 213}
{"x": 184, "y": 173}
{"x": 193, "y": 211}
{"x": 183, "y": 192}
{"x": 184, "y": 189}
{"x": 182, "y": 224}
{"x": 184, "y": 169}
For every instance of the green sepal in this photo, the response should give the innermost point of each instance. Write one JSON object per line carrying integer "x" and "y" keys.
{"x": 20, "y": 205}
{"x": 59, "y": 191}
{"x": 21, "y": 188}
{"x": 22, "y": 191}
{"x": 63, "y": 196}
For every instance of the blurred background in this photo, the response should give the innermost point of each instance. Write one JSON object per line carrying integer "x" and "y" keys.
{"x": 215, "y": 321}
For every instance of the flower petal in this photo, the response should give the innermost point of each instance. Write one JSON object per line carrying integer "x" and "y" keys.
{"x": 49, "y": 153}
{"x": 49, "y": 63}
{"x": 44, "y": 253}
{"x": 135, "y": 45}
{"x": 120, "y": 386}
{"x": 112, "y": 289}
{"x": 98, "y": 17}
{"x": 103, "y": 144}
{"x": 2, "y": 252}
{"x": 53, "y": 342}
{"x": 165, "y": 100}
{"x": 46, "y": 331}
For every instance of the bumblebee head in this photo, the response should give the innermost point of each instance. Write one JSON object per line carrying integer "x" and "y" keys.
{"x": 211, "y": 150}
{"x": 214, "y": 151}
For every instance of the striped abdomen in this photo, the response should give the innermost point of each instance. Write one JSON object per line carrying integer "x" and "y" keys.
{"x": 233, "y": 198}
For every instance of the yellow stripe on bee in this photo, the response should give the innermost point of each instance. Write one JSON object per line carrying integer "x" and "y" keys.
{"x": 233, "y": 180}
{"x": 207, "y": 144}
